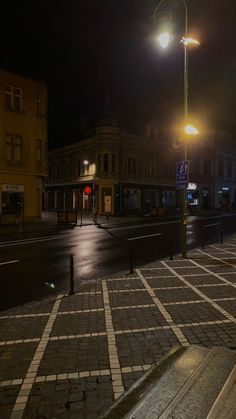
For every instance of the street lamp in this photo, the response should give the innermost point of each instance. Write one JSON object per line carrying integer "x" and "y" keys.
{"x": 187, "y": 41}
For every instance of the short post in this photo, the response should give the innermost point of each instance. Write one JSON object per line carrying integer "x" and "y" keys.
{"x": 81, "y": 219}
{"x": 71, "y": 275}
{"x": 131, "y": 261}
{"x": 203, "y": 238}
{"x": 171, "y": 247}
{"x": 221, "y": 234}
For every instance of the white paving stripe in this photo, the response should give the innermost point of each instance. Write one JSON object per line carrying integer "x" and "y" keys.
{"x": 197, "y": 291}
{"x": 178, "y": 333}
{"x": 116, "y": 373}
{"x": 30, "y": 241}
{"x": 224, "y": 251}
{"x": 137, "y": 306}
{"x": 31, "y": 374}
{"x": 218, "y": 276}
{"x": 76, "y": 375}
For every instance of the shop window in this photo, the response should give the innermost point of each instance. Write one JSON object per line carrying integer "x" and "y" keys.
{"x": 12, "y": 203}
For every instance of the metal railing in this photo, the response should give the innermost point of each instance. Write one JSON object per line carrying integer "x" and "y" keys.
{"x": 209, "y": 227}
{"x": 135, "y": 239}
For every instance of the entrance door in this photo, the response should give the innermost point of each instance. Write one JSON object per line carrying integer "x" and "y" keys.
{"x": 107, "y": 203}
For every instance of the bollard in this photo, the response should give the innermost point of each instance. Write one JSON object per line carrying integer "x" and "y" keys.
{"x": 202, "y": 238}
{"x": 221, "y": 234}
{"x": 171, "y": 247}
{"x": 81, "y": 219}
{"x": 71, "y": 275}
{"x": 131, "y": 262}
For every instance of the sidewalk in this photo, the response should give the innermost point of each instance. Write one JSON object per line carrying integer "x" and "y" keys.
{"x": 71, "y": 356}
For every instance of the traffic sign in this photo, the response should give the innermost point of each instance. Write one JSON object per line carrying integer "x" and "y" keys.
{"x": 87, "y": 190}
{"x": 182, "y": 174}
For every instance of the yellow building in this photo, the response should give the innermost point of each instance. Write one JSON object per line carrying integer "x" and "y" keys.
{"x": 23, "y": 146}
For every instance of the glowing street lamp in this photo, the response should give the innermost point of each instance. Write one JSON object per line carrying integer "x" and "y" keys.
{"x": 164, "y": 39}
{"x": 190, "y": 130}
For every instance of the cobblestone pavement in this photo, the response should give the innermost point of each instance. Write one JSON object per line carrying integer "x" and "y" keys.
{"x": 71, "y": 357}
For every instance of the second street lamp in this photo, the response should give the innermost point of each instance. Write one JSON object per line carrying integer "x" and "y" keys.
{"x": 187, "y": 41}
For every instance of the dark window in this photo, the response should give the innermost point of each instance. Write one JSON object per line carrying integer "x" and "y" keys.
{"x": 14, "y": 148}
{"x": 131, "y": 165}
{"x": 8, "y": 97}
{"x": 206, "y": 167}
{"x": 113, "y": 163}
{"x": 58, "y": 170}
{"x": 78, "y": 168}
{"x": 39, "y": 151}
{"x": 18, "y": 100}
{"x": 39, "y": 105}
{"x": 106, "y": 162}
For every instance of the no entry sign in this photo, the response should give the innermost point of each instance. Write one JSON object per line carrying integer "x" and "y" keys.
{"x": 87, "y": 190}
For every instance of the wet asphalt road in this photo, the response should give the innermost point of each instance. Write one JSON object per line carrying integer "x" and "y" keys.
{"x": 25, "y": 266}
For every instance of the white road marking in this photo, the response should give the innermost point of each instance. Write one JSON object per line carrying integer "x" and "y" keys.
{"x": 9, "y": 261}
{"x": 34, "y": 240}
{"x": 133, "y": 227}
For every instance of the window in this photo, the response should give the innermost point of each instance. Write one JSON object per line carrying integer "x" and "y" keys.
{"x": 206, "y": 167}
{"x": 17, "y": 151}
{"x": 229, "y": 168}
{"x": 220, "y": 167}
{"x": 8, "y": 97}
{"x": 18, "y": 100}
{"x": 39, "y": 151}
{"x": 14, "y": 148}
{"x": 58, "y": 171}
{"x": 78, "y": 168}
{"x": 9, "y": 147}
{"x": 39, "y": 105}
{"x": 131, "y": 165}
{"x": 106, "y": 162}
{"x": 13, "y": 98}
{"x": 113, "y": 163}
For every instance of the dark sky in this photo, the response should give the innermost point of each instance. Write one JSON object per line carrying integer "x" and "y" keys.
{"x": 83, "y": 48}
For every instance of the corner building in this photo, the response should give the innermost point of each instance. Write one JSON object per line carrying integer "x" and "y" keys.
{"x": 23, "y": 146}
{"x": 126, "y": 173}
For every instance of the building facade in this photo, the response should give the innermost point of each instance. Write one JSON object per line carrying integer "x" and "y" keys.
{"x": 23, "y": 146}
{"x": 124, "y": 174}
{"x": 225, "y": 173}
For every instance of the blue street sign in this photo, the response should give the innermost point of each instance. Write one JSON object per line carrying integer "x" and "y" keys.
{"x": 182, "y": 174}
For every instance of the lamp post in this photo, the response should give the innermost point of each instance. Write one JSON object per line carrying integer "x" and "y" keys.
{"x": 164, "y": 40}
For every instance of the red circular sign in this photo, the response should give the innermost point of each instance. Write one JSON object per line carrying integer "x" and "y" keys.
{"x": 87, "y": 190}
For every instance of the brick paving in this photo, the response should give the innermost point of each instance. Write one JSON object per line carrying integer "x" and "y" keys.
{"x": 72, "y": 356}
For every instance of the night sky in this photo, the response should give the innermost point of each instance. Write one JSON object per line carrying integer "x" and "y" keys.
{"x": 85, "y": 48}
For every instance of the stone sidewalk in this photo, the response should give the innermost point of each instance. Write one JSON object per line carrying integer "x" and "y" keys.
{"x": 72, "y": 356}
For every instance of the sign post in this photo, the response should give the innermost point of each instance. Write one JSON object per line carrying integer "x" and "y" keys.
{"x": 182, "y": 181}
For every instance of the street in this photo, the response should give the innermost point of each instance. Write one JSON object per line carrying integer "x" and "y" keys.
{"x": 28, "y": 265}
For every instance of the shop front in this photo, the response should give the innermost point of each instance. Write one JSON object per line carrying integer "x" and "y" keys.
{"x": 12, "y": 202}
